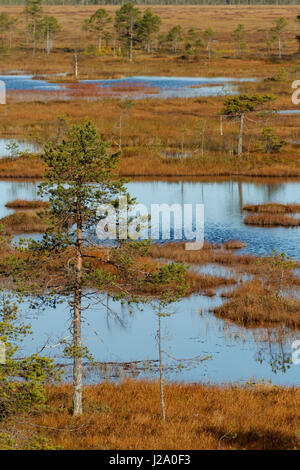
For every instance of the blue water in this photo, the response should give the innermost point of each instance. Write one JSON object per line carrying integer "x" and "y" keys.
{"x": 22, "y": 147}
{"x": 289, "y": 111}
{"x": 236, "y": 354}
{"x": 191, "y": 332}
{"x": 169, "y": 87}
{"x": 222, "y": 201}
{"x": 26, "y": 82}
{"x": 173, "y": 87}
{"x": 223, "y": 214}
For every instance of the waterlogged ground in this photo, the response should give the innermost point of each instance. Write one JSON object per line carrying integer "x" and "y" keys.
{"x": 190, "y": 335}
{"x": 223, "y": 202}
{"x": 192, "y": 331}
{"x": 174, "y": 87}
{"x": 137, "y": 87}
{"x": 14, "y": 147}
{"x": 26, "y": 82}
{"x": 11, "y": 190}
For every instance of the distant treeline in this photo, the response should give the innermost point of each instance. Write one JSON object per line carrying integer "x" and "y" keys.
{"x": 158, "y": 2}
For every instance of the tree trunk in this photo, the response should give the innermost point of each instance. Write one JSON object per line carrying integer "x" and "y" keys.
{"x": 77, "y": 343}
{"x": 48, "y": 41}
{"x": 34, "y": 39}
{"x": 100, "y": 43}
{"x": 209, "y": 50}
{"x": 240, "y": 143}
{"x": 120, "y": 132}
{"x": 130, "y": 49}
{"x": 27, "y": 35}
{"x": 279, "y": 48}
{"x": 202, "y": 140}
{"x": 161, "y": 370}
{"x": 76, "y": 64}
{"x": 10, "y": 39}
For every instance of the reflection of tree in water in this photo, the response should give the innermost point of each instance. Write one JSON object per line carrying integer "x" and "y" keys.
{"x": 274, "y": 348}
{"x": 272, "y": 190}
{"x": 269, "y": 191}
{"x": 28, "y": 190}
{"x": 272, "y": 344}
{"x": 240, "y": 188}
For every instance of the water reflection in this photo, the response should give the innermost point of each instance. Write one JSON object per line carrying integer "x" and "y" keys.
{"x": 27, "y": 82}
{"x": 223, "y": 215}
{"x": 161, "y": 87}
{"x": 236, "y": 354}
{"x": 14, "y": 147}
{"x": 11, "y": 190}
{"x": 222, "y": 201}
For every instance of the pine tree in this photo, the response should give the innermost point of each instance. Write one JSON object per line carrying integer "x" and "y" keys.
{"x": 48, "y": 27}
{"x": 239, "y": 39}
{"x": 22, "y": 379}
{"x": 70, "y": 262}
{"x": 147, "y": 27}
{"x": 237, "y": 106}
{"x": 33, "y": 11}
{"x": 98, "y": 24}
{"x": 209, "y": 34}
{"x": 126, "y": 24}
{"x": 175, "y": 36}
{"x": 277, "y": 31}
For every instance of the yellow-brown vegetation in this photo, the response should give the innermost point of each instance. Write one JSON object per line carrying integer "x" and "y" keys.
{"x": 127, "y": 416}
{"x": 24, "y": 204}
{"x": 253, "y": 304}
{"x": 273, "y": 208}
{"x": 23, "y": 222}
{"x": 272, "y": 220}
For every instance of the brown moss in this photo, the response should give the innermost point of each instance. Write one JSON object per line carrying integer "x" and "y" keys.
{"x": 23, "y": 222}
{"x": 24, "y": 204}
{"x": 234, "y": 245}
{"x": 209, "y": 254}
{"x": 127, "y": 416}
{"x": 22, "y": 167}
{"x": 272, "y": 220}
{"x": 273, "y": 208}
{"x": 252, "y": 304}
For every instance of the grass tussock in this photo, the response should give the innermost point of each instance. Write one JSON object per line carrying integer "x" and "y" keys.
{"x": 207, "y": 255}
{"x": 272, "y": 220}
{"x": 23, "y": 222}
{"x": 273, "y": 208}
{"x": 234, "y": 245}
{"x": 21, "y": 167}
{"x": 24, "y": 204}
{"x": 127, "y": 416}
{"x": 204, "y": 283}
{"x": 253, "y": 304}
